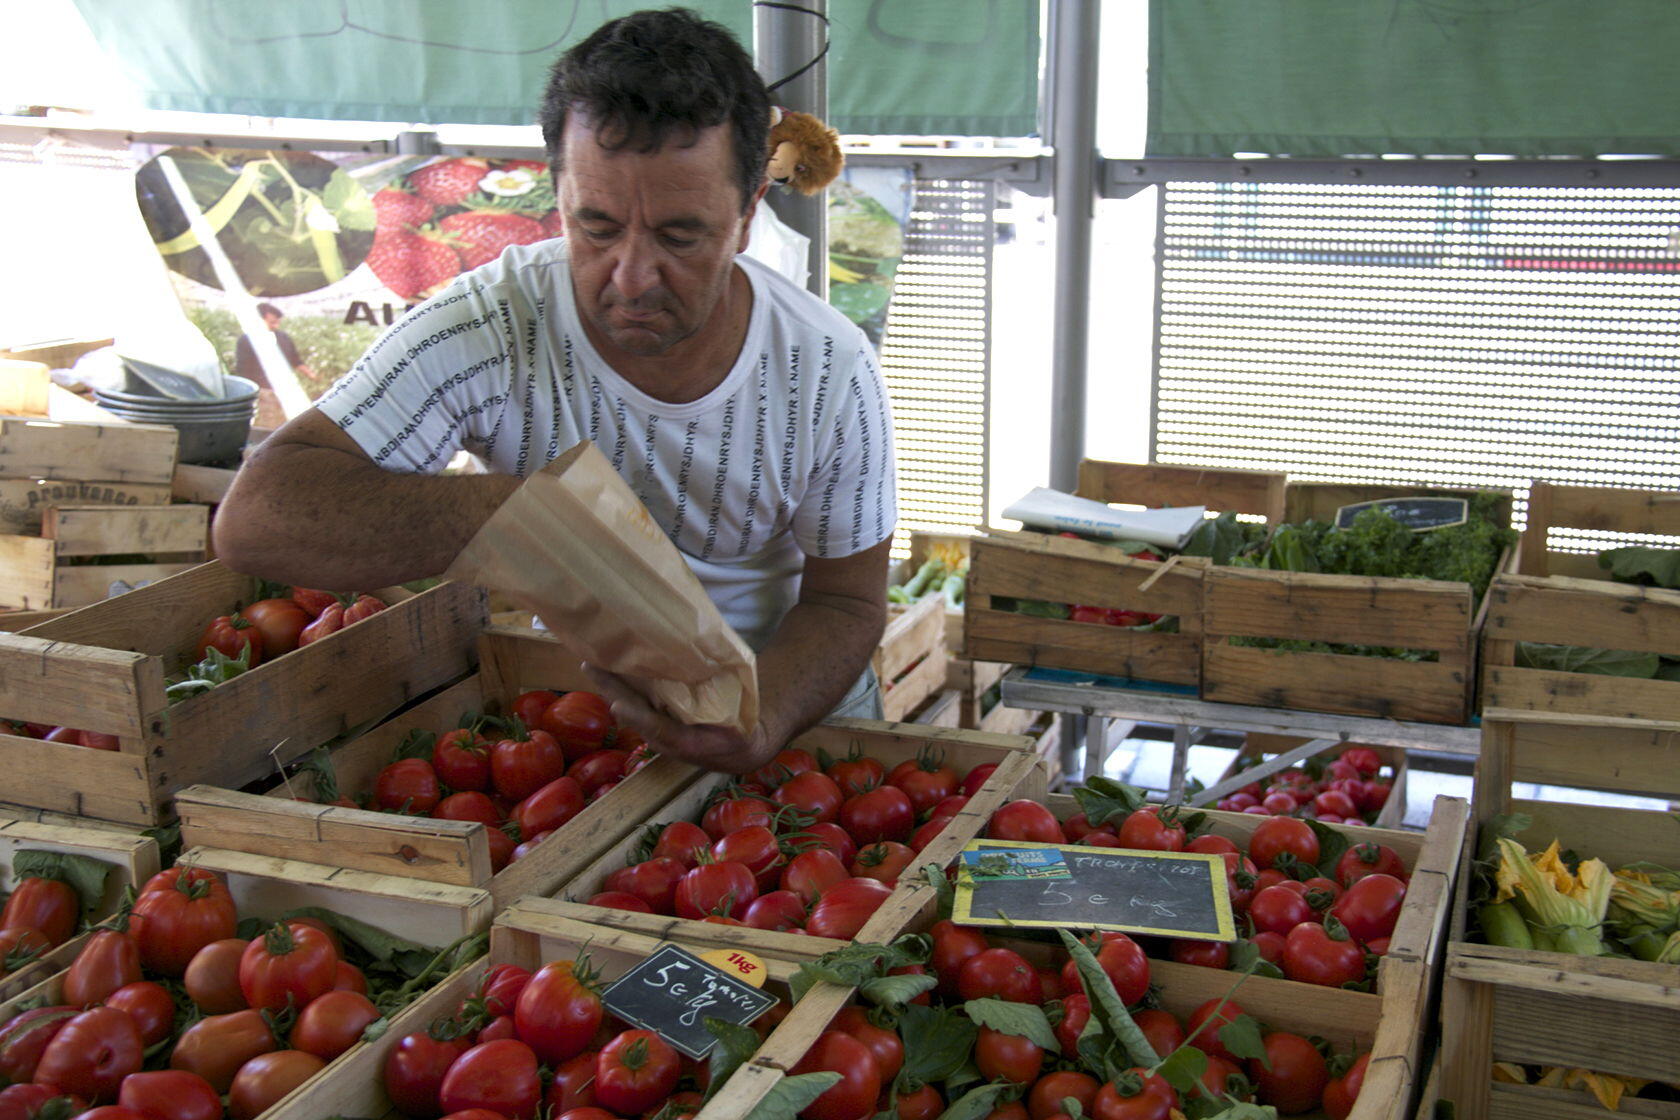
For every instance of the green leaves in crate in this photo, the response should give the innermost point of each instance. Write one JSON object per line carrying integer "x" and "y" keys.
{"x": 858, "y": 963}
{"x": 791, "y": 1095}
{"x": 1023, "y": 1019}
{"x": 1585, "y": 659}
{"x": 1658, "y": 567}
{"x": 1104, "y": 799}
{"x": 85, "y": 874}
{"x": 975, "y": 1103}
{"x": 736, "y": 1045}
{"x": 937, "y": 1041}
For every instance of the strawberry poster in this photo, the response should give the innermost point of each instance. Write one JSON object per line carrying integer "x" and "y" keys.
{"x": 293, "y": 263}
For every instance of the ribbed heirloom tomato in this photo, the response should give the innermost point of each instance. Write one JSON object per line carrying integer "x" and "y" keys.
{"x": 462, "y": 759}
{"x": 520, "y": 767}
{"x": 109, "y": 960}
{"x": 171, "y": 923}
{"x": 292, "y": 963}
{"x": 91, "y": 1054}
{"x": 844, "y": 908}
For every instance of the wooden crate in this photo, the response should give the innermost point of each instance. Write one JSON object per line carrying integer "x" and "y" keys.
{"x": 512, "y": 661}
{"x": 133, "y": 859}
{"x": 1557, "y": 1009}
{"x": 1595, "y": 508}
{"x": 910, "y": 659}
{"x": 85, "y": 552}
{"x": 972, "y": 681}
{"x": 44, "y": 463}
{"x": 1390, "y": 1022}
{"x": 429, "y": 914}
{"x": 921, "y": 547}
{"x": 1031, "y": 565}
{"x": 1018, "y": 774}
{"x": 1258, "y": 745}
{"x": 939, "y": 710}
{"x": 102, "y": 669}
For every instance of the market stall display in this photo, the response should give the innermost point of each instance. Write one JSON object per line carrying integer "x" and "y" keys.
{"x": 1372, "y": 777}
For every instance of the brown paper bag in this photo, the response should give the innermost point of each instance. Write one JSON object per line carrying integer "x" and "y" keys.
{"x": 576, "y": 546}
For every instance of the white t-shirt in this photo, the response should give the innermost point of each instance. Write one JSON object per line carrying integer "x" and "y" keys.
{"x": 791, "y": 455}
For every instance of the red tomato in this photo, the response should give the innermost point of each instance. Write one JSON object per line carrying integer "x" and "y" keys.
{"x": 683, "y": 841}
{"x": 20, "y": 945}
{"x": 757, "y": 848}
{"x": 1270, "y": 944}
{"x": 1335, "y": 803}
{"x": 414, "y": 1070}
{"x": 170, "y": 1094}
{"x": 232, "y": 635}
{"x": 950, "y": 806}
{"x": 172, "y": 924}
{"x": 845, "y": 908}
{"x": 28, "y": 1101}
{"x": 813, "y": 793}
{"x": 1144, "y": 830}
{"x": 885, "y": 861}
{"x": 884, "y": 813}
{"x": 329, "y": 621}
{"x": 1076, "y": 1012}
{"x": 927, "y": 832}
{"x": 1217, "y": 1016}
{"x": 579, "y": 722}
{"x": 573, "y": 1085}
{"x": 836, "y": 840}
{"x": 1122, "y": 961}
{"x": 1208, "y": 954}
{"x": 1048, "y": 1092}
{"x": 332, "y": 1023}
{"x": 265, "y": 1079}
{"x": 975, "y": 778}
{"x": 715, "y": 888}
{"x": 500, "y": 1076}
{"x": 348, "y": 978}
{"x": 314, "y": 602}
{"x": 365, "y": 606}
{"x": 1297, "y": 1077}
{"x": 1340, "y": 1093}
{"x": 1025, "y": 820}
{"x": 597, "y": 770}
{"x": 292, "y": 963}
{"x": 1276, "y": 838}
{"x": 1155, "y": 1100}
{"x": 502, "y": 1026}
{"x": 25, "y": 1037}
{"x": 109, "y": 960}
{"x": 809, "y": 874}
{"x": 48, "y": 905}
{"x": 884, "y": 1044}
{"x": 1222, "y": 1076}
{"x": 999, "y": 974}
{"x": 1008, "y": 1110}
{"x": 215, "y": 1048}
{"x": 91, "y": 1054}
{"x": 1373, "y": 795}
{"x": 953, "y": 945}
{"x": 1369, "y": 858}
{"x": 1209, "y": 844}
{"x": 778, "y": 910}
{"x": 528, "y": 707}
{"x": 557, "y": 1013}
{"x": 857, "y": 775}
{"x": 1312, "y": 956}
{"x": 789, "y": 763}
{"x": 1279, "y": 803}
{"x": 150, "y": 1006}
{"x": 654, "y": 881}
{"x": 502, "y": 846}
{"x": 1007, "y": 1057}
{"x": 469, "y": 805}
{"x": 1161, "y": 1029}
{"x": 853, "y": 1096}
{"x": 635, "y": 1072}
{"x": 407, "y": 786}
{"x": 279, "y": 621}
{"x": 729, "y": 813}
{"x": 551, "y": 806}
{"x": 520, "y": 767}
{"x": 1363, "y": 759}
{"x": 462, "y": 759}
{"x": 1279, "y": 909}
{"x": 925, "y": 780}
{"x": 1371, "y": 907}
{"x": 110, "y": 1112}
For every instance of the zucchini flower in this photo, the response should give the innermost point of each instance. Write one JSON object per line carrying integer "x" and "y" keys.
{"x": 1645, "y": 899}
{"x": 1568, "y": 906}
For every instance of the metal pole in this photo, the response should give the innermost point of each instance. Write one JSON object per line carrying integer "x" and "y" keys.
{"x": 784, "y": 41}
{"x": 1073, "y": 133}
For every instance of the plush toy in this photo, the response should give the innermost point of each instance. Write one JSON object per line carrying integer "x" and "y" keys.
{"x": 804, "y": 152}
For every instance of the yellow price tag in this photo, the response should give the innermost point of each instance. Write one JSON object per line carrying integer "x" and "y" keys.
{"x": 738, "y": 963}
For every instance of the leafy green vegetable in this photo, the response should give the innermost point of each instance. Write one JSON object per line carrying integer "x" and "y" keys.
{"x": 937, "y": 1041}
{"x": 1223, "y": 538}
{"x": 1023, "y": 1019}
{"x": 736, "y": 1045}
{"x": 791, "y": 1095}
{"x": 1653, "y": 567}
{"x": 84, "y": 873}
{"x": 1584, "y": 659}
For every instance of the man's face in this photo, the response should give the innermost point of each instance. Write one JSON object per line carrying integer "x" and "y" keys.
{"x": 272, "y": 320}
{"x": 653, "y": 236}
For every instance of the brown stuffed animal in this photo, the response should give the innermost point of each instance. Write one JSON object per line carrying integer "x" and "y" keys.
{"x": 804, "y": 152}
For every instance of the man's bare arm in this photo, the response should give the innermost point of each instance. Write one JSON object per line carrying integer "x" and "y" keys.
{"x": 309, "y": 507}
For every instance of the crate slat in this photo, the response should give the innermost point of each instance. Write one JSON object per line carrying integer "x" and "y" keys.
{"x": 100, "y": 530}
{"x": 56, "y": 449}
{"x": 1433, "y": 692}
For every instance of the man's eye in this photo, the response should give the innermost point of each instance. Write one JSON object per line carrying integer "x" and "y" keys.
{"x": 679, "y": 242}
{"x": 597, "y": 234}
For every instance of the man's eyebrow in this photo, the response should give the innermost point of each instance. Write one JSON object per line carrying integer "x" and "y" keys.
{"x": 690, "y": 223}
{"x": 589, "y": 214}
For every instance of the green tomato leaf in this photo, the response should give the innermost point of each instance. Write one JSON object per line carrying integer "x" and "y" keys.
{"x": 1242, "y": 1038}
{"x": 416, "y": 744}
{"x": 857, "y": 963}
{"x": 1245, "y": 957}
{"x": 1104, "y": 799}
{"x": 791, "y": 1095}
{"x": 896, "y": 991}
{"x": 1023, "y": 1019}
{"x": 1106, "y": 1004}
{"x": 736, "y": 1045}
{"x": 1585, "y": 659}
{"x": 975, "y": 1103}
{"x": 937, "y": 1041}
{"x": 1183, "y": 1069}
{"x": 1331, "y": 845}
{"x": 86, "y": 875}
{"x": 1659, "y": 566}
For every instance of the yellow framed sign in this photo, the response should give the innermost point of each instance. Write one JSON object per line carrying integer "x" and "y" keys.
{"x": 1051, "y": 886}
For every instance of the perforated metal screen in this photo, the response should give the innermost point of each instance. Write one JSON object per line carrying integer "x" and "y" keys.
{"x": 935, "y": 354}
{"x": 1431, "y": 334}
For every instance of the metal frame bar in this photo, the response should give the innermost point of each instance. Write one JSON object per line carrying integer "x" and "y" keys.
{"x": 1122, "y": 178}
{"x": 784, "y": 41}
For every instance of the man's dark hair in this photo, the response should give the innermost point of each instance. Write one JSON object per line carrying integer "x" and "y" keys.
{"x": 268, "y": 309}
{"x": 652, "y": 78}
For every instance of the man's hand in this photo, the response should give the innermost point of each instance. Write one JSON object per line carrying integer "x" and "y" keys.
{"x": 707, "y": 745}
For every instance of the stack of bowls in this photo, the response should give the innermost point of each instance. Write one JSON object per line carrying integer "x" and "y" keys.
{"x": 213, "y": 430}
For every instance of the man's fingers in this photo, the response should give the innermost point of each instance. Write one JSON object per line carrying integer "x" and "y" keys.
{"x": 631, "y": 707}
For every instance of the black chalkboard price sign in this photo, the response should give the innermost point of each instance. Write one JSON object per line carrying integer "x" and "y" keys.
{"x": 1168, "y": 894}
{"x": 674, "y": 992}
{"x": 1417, "y": 514}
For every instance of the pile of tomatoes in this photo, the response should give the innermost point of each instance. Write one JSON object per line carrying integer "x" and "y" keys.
{"x": 805, "y": 843}
{"x": 40, "y": 914}
{"x": 521, "y": 777}
{"x": 1313, "y": 906}
{"x": 529, "y": 1044}
{"x": 271, "y": 627}
{"x": 254, "y": 1020}
{"x": 1350, "y": 789}
{"x": 885, "y": 1056}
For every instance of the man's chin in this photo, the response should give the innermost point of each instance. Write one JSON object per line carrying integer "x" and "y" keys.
{"x": 639, "y": 341}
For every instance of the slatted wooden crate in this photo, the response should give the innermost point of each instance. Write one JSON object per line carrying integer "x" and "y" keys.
{"x": 44, "y": 463}
{"x": 1565, "y": 598}
{"x": 133, "y": 859}
{"x": 1260, "y": 745}
{"x": 1439, "y": 618}
{"x": 1556, "y": 1009}
{"x": 1019, "y": 774}
{"x": 512, "y": 660}
{"x": 1032, "y": 565}
{"x": 428, "y": 914}
{"x": 102, "y": 668}
{"x": 86, "y": 553}
{"x": 1392, "y": 1022}
{"x": 922, "y": 545}
{"x": 909, "y": 661}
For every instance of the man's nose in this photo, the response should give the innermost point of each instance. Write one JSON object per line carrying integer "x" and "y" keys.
{"x": 637, "y": 270}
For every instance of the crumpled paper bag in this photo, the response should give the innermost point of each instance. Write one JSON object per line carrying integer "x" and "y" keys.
{"x": 577, "y": 547}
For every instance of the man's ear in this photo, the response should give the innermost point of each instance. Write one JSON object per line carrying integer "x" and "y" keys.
{"x": 746, "y": 218}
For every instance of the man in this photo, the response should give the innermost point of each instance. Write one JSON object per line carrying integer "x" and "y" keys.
{"x": 747, "y": 415}
{"x": 247, "y": 365}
